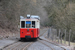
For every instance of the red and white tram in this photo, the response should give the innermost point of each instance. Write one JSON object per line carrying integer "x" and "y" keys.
{"x": 29, "y": 27}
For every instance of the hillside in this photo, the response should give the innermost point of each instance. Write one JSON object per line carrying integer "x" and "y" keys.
{"x": 61, "y": 15}
{"x": 53, "y": 13}
{"x": 11, "y": 10}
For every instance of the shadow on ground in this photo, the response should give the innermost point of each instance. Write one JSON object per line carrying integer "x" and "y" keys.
{"x": 27, "y": 40}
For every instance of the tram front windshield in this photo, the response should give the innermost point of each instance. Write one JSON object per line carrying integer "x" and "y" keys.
{"x": 27, "y": 24}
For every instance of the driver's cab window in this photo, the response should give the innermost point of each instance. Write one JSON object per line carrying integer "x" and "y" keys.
{"x": 28, "y": 24}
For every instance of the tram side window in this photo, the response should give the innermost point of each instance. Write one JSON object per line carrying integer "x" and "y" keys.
{"x": 22, "y": 24}
{"x": 33, "y": 24}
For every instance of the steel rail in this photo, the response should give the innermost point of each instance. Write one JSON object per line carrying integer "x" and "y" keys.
{"x": 47, "y": 45}
{"x": 27, "y": 46}
{"x": 15, "y": 46}
{"x": 52, "y": 43}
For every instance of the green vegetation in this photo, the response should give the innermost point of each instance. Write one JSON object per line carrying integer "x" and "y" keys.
{"x": 66, "y": 42}
{"x": 62, "y": 15}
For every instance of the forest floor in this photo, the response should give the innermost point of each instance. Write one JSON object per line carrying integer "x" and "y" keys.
{"x": 5, "y": 33}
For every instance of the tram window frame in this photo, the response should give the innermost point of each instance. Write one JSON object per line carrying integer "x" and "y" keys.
{"x": 33, "y": 24}
{"x": 29, "y": 25}
{"x": 22, "y": 24}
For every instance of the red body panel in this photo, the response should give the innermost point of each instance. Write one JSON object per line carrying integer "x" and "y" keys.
{"x": 32, "y": 32}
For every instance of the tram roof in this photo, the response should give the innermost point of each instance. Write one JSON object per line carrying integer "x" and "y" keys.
{"x": 28, "y": 19}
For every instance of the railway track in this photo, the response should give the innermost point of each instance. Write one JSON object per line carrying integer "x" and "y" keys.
{"x": 42, "y": 32}
{"x": 47, "y": 45}
{"x": 44, "y": 35}
{"x": 51, "y": 45}
{"x": 21, "y": 45}
{"x": 25, "y": 45}
{"x": 18, "y": 46}
{"x": 54, "y": 44}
